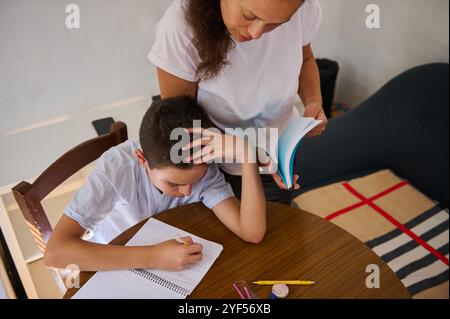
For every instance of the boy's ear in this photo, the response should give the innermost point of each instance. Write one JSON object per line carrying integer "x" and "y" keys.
{"x": 140, "y": 157}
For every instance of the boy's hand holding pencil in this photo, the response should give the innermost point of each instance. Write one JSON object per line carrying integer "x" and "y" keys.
{"x": 177, "y": 254}
{"x": 186, "y": 241}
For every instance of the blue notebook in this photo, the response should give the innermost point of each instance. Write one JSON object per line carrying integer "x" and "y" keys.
{"x": 288, "y": 143}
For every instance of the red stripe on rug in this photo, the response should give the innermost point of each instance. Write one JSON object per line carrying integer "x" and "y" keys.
{"x": 389, "y": 190}
{"x": 363, "y": 199}
{"x": 344, "y": 210}
{"x": 396, "y": 223}
{"x": 408, "y": 232}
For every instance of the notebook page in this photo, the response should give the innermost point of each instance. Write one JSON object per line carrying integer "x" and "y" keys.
{"x": 155, "y": 231}
{"x": 122, "y": 284}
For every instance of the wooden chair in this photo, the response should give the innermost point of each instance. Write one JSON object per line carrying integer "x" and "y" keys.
{"x": 29, "y": 196}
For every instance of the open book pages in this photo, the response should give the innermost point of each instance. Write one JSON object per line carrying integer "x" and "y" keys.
{"x": 288, "y": 143}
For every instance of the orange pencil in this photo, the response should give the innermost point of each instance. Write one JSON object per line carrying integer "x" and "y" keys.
{"x": 182, "y": 241}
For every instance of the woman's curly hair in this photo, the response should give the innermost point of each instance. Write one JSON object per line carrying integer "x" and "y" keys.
{"x": 211, "y": 37}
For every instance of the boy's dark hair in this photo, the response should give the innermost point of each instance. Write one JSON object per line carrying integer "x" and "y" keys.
{"x": 158, "y": 123}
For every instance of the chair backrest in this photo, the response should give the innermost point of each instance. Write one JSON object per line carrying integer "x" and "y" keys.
{"x": 29, "y": 196}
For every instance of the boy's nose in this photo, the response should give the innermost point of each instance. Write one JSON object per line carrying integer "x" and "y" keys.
{"x": 186, "y": 190}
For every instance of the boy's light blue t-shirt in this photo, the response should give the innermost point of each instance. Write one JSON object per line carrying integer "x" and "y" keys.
{"x": 119, "y": 194}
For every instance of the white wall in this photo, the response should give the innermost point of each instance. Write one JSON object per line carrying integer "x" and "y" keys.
{"x": 47, "y": 70}
{"x": 412, "y": 32}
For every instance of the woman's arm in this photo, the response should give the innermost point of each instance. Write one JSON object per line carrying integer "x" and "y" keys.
{"x": 172, "y": 86}
{"x": 309, "y": 91}
{"x": 66, "y": 247}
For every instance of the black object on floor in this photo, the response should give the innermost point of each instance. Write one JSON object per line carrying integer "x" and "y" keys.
{"x": 328, "y": 76}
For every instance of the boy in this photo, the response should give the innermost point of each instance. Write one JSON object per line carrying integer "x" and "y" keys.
{"x": 130, "y": 184}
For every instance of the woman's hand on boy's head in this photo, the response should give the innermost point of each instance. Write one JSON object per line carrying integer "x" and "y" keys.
{"x": 214, "y": 146}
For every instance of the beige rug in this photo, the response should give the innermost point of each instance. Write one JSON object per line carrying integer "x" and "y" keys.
{"x": 406, "y": 229}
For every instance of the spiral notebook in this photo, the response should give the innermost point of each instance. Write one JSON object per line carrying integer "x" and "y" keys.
{"x": 151, "y": 283}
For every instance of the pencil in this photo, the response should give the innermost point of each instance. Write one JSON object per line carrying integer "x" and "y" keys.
{"x": 247, "y": 293}
{"x": 182, "y": 241}
{"x": 238, "y": 291}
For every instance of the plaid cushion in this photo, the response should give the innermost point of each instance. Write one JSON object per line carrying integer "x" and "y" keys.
{"x": 406, "y": 229}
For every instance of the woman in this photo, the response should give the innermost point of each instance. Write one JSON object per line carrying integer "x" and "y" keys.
{"x": 245, "y": 61}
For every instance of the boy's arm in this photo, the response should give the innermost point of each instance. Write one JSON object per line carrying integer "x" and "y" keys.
{"x": 246, "y": 218}
{"x": 66, "y": 247}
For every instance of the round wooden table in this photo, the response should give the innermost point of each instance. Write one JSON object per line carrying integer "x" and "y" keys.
{"x": 297, "y": 245}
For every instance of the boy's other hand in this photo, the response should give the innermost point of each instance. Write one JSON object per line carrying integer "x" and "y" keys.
{"x": 174, "y": 256}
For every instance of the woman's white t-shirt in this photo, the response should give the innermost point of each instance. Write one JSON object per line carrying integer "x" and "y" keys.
{"x": 258, "y": 88}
